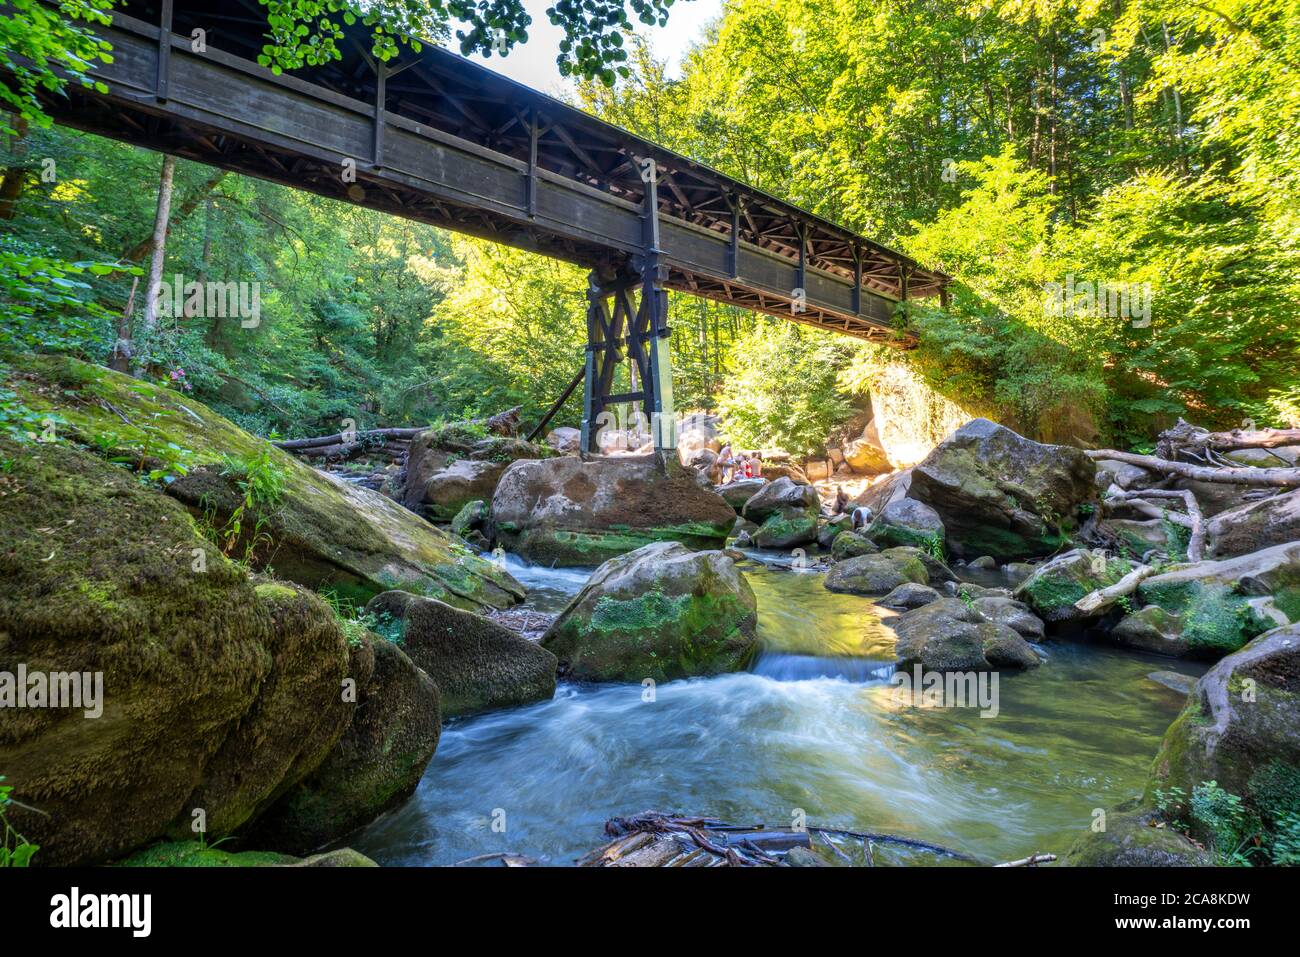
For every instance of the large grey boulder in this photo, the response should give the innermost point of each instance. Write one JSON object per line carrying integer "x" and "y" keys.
{"x": 781, "y": 494}
{"x": 1001, "y": 494}
{"x": 739, "y": 492}
{"x": 906, "y": 521}
{"x": 946, "y": 635}
{"x": 660, "y": 612}
{"x": 450, "y": 467}
{"x": 477, "y": 664}
{"x": 875, "y": 574}
{"x": 566, "y": 511}
{"x": 1135, "y": 836}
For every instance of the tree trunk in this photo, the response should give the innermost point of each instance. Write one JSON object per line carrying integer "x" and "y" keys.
{"x": 15, "y": 177}
{"x": 191, "y": 203}
{"x": 159, "y": 254}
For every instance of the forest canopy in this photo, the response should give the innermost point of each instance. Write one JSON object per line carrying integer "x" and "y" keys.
{"x": 1112, "y": 186}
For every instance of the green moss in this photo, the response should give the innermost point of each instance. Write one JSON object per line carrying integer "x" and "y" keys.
{"x": 590, "y": 548}
{"x": 1216, "y": 620}
{"x": 193, "y": 854}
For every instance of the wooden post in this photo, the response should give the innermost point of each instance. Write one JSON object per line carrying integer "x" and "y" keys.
{"x": 381, "y": 103}
{"x": 654, "y": 305}
{"x": 164, "y": 50}
{"x": 857, "y": 280}
{"x": 533, "y": 136}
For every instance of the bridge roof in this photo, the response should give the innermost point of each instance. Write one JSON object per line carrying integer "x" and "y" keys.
{"x": 470, "y": 101}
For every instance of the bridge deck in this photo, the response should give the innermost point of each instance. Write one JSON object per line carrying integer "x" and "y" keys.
{"x": 438, "y": 138}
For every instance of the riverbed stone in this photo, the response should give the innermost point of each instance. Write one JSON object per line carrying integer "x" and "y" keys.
{"x": 376, "y": 764}
{"x": 909, "y": 595}
{"x": 906, "y": 521}
{"x": 1152, "y": 629}
{"x": 450, "y": 466}
{"x": 477, "y": 664}
{"x": 875, "y": 574}
{"x": 998, "y": 493}
{"x": 737, "y": 493}
{"x": 935, "y": 568}
{"x": 473, "y": 517}
{"x": 831, "y": 529}
{"x": 1174, "y": 681}
{"x": 570, "y": 512}
{"x": 1014, "y": 614}
{"x": 1132, "y": 838}
{"x": 1223, "y": 604}
{"x": 947, "y": 635}
{"x": 218, "y": 686}
{"x": 1055, "y": 586}
{"x": 1241, "y": 729}
{"x": 1248, "y": 528}
{"x": 661, "y": 612}
{"x": 784, "y": 493}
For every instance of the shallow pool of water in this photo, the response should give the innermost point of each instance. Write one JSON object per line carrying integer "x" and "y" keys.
{"x": 815, "y": 726}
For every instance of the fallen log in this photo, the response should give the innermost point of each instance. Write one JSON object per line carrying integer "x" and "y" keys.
{"x": 1103, "y": 598}
{"x": 1195, "y": 520}
{"x": 1282, "y": 478}
{"x": 1186, "y": 438}
{"x": 1033, "y": 860}
{"x": 340, "y": 438}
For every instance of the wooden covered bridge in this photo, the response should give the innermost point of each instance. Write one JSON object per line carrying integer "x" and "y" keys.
{"x": 437, "y": 138}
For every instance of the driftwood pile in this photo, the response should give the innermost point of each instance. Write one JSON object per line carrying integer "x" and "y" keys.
{"x": 655, "y": 839}
{"x": 1186, "y": 453}
{"x": 389, "y": 445}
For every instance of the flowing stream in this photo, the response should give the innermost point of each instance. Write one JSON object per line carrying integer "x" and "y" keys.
{"x": 815, "y": 725}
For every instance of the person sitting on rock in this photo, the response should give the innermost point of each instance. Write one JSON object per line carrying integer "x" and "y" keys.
{"x": 841, "y": 501}
{"x": 726, "y": 463}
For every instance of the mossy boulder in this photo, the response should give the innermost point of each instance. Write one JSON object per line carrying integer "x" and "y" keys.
{"x": 1248, "y": 528}
{"x": 319, "y": 531}
{"x": 473, "y": 517}
{"x": 1055, "y": 586}
{"x": 948, "y": 635}
{"x": 849, "y": 544}
{"x": 661, "y": 612}
{"x": 477, "y": 664}
{"x": 935, "y": 568}
{"x": 906, "y": 521}
{"x": 568, "y": 511}
{"x": 1241, "y": 729}
{"x": 875, "y": 574}
{"x": 1139, "y": 540}
{"x": 450, "y": 466}
{"x": 998, "y": 493}
{"x": 1133, "y": 838}
{"x": 787, "y": 527}
{"x": 831, "y": 530}
{"x": 219, "y": 693}
{"x": 376, "y": 764}
{"x": 1007, "y": 611}
{"x": 1223, "y": 604}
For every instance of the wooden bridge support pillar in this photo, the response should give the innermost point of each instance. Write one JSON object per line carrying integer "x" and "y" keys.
{"x": 621, "y": 325}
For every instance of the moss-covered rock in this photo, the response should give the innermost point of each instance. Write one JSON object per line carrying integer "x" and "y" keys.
{"x": 935, "y": 569}
{"x": 909, "y": 595}
{"x": 1241, "y": 729}
{"x": 831, "y": 530}
{"x": 1223, "y": 604}
{"x": 1055, "y": 586}
{"x": 194, "y": 854}
{"x": 319, "y": 531}
{"x": 1151, "y": 629}
{"x": 875, "y": 574}
{"x": 661, "y": 612}
{"x": 454, "y": 464}
{"x": 850, "y": 544}
{"x": 1132, "y": 838}
{"x": 218, "y": 693}
{"x": 1001, "y": 494}
{"x": 787, "y": 527}
{"x": 376, "y": 764}
{"x": 473, "y": 517}
{"x": 1007, "y": 611}
{"x": 737, "y": 493}
{"x": 477, "y": 664}
{"x": 567, "y": 511}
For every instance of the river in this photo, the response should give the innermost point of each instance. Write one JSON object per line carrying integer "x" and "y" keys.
{"x": 815, "y": 727}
